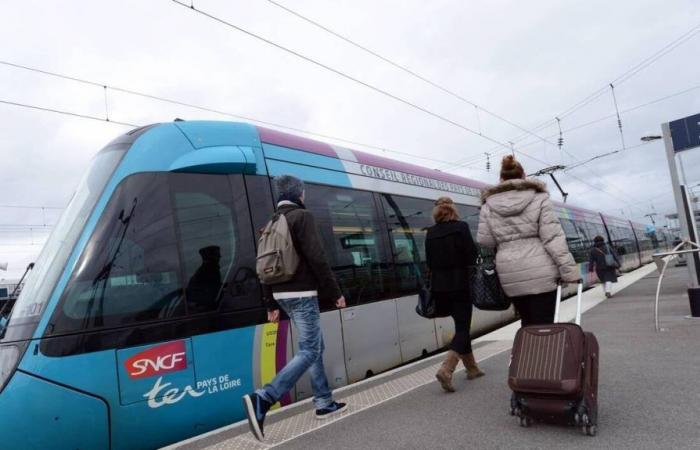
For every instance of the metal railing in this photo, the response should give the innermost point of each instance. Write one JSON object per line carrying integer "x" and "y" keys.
{"x": 662, "y": 260}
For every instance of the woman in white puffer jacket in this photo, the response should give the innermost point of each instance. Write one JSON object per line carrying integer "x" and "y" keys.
{"x": 518, "y": 220}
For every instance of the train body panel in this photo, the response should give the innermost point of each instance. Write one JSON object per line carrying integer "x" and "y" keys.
{"x": 118, "y": 322}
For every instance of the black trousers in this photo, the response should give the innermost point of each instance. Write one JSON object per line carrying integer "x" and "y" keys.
{"x": 459, "y": 306}
{"x": 536, "y": 309}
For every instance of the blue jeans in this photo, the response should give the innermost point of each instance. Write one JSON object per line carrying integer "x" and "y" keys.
{"x": 306, "y": 317}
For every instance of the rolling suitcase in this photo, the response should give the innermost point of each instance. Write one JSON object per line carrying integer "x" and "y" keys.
{"x": 554, "y": 373}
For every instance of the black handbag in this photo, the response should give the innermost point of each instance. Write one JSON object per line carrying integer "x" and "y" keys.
{"x": 485, "y": 289}
{"x": 426, "y": 306}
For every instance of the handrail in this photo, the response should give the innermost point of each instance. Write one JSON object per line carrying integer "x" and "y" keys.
{"x": 658, "y": 257}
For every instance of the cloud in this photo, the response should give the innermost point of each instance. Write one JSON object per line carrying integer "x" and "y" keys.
{"x": 527, "y": 61}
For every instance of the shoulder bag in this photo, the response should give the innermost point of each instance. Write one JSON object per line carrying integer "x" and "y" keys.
{"x": 485, "y": 288}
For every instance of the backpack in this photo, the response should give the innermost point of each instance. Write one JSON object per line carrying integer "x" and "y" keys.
{"x": 277, "y": 259}
{"x": 609, "y": 258}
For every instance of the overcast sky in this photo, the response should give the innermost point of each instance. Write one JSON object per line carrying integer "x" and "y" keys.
{"x": 526, "y": 61}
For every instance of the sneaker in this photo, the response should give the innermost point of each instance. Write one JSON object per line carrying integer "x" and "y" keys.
{"x": 608, "y": 294}
{"x": 256, "y": 408}
{"x": 331, "y": 410}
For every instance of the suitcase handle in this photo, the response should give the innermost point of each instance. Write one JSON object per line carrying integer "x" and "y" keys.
{"x": 579, "y": 295}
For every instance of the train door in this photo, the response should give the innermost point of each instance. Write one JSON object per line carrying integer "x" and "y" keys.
{"x": 354, "y": 243}
{"x": 407, "y": 222}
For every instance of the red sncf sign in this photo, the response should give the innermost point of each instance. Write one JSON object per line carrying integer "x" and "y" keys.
{"x": 164, "y": 358}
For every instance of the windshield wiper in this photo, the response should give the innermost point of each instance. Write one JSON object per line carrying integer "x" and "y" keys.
{"x": 102, "y": 276}
{"x": 3, "y": 315}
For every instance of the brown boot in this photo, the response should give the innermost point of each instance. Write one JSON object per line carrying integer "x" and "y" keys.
{"x": 473, "y": 370}
{"x": 444, "y": 374}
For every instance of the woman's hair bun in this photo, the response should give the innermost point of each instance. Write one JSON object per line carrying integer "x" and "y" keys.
{"x": 511, "y": 168}
{"x": 509, "y": 162}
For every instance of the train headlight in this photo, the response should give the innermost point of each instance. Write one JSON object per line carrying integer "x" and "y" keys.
{"x": 9, "y": 356}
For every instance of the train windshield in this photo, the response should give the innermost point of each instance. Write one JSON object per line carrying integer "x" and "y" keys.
{"x": 48, "y": 267}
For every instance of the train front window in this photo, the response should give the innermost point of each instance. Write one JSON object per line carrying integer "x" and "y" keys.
{"x": 130, "y": 269}
{"x": 163, "y": 249}
{"x": 48, "y": 267}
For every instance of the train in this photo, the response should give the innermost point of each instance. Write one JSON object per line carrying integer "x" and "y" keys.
{"x": 116, "y": 343}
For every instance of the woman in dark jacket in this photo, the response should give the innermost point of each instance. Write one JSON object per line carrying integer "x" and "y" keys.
{"x": 601, "y": 257}
{"x": 450, "y": 250}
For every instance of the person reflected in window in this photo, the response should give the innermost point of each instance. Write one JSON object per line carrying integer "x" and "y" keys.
{"x": 605, "y": 262}
{"x": 450, "y": 251}
{"x": 204, "y": 286}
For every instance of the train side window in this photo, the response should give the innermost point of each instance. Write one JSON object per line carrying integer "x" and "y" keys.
{"x": 216, "y": 242}
{"x": 577, "y": 244}
{"x": 130, "y": 270}
{"x": 408, "y": 220}
{"x": 353, "y": 241}
{"x": 470, "y": 214}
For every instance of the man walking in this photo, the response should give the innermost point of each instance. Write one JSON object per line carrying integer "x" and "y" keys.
{"x": 298, "y": 297}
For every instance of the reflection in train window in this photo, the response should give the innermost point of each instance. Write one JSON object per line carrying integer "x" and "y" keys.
{"x": 216, "y": 242}
{"x": 130, "y": 270}
{"x": 351, "y": 234}
{"x": 408, "y": 220}
{"x": 162, "y": 249}
{"x": 623, "y": 240}
{"x": 577, "y": 242}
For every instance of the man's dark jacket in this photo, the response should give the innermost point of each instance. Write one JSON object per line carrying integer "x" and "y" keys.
{"x": 314, "y": 273}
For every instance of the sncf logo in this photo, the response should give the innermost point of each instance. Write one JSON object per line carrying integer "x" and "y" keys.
{"x": 159, "y": 360}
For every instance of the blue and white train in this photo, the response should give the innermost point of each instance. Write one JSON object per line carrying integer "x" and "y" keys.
{"x": 120, "y": 339}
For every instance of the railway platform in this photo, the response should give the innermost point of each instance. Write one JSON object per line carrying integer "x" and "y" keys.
{"x": 648, "y": 391}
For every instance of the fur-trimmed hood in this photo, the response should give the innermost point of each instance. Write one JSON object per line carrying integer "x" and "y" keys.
{"x": 513, "y": 185}
{"x": 512, "y": 196}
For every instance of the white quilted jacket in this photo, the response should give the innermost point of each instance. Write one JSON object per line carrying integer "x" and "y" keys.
{"x": 517, "y": 219}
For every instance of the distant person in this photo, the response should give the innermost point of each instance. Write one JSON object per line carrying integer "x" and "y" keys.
{"x": 204, "y": 286}
{"x": 605, "y": 262}
{"x": 298, "y": 297}
{"x": 518, "y": 220}
{"x": 449, "y": 251}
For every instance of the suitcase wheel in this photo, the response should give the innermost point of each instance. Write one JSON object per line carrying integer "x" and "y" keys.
{"x": 525, "y": 421}
{"x": 587, "y": 427}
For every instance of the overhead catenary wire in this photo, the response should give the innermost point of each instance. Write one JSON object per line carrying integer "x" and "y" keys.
{"x": 342, "y": 74}
{"x": 477, "y": 159}
{"x": 47, "y": 109}
{"x": 131, "y": 125}
{"x": 625, "y": 76}
{"x": 31, "y": 207}
{"x": 83, "y": 116}
{"x": 405, "y": 69}
{"x": 67, "y": 113}
{"x": 201, "y": 108}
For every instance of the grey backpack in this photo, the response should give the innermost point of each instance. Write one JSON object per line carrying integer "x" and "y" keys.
{"x": 277, "y": 259}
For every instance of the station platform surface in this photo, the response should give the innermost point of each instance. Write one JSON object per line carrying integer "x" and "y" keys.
{"x": 649, "y": 391}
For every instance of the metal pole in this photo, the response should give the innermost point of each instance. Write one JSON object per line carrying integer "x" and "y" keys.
{"x": 680, "y": 163}
{"x": 675, "y": 183}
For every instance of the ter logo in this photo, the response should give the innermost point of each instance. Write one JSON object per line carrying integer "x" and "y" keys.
{"x": 159, "y": 360}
